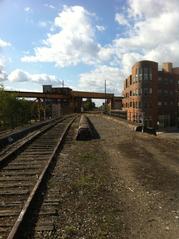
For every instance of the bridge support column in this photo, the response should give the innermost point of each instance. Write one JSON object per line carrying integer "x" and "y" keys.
{"x": 67, "y": 106}
{"x": 77, "y": 104}
{"x": 44, "y": 109}
{"x": 41, "y": 109}
{"x": 56, "y": 109}
{"x": 38, "y": 109}
{"x": 110, "y": 104}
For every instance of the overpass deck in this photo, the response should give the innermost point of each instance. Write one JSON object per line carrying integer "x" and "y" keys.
{"x": 79, "y": 94}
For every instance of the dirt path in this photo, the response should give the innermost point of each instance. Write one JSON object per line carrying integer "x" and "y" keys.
{"x": 124, "y": 185}
{"x": 146, "y": 172}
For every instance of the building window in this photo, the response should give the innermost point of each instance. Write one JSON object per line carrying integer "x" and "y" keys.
{"x": 145, "y": 70}
{"x": 159, "y": 103}
{"x": 149, "y": 105}
{"x": 130, "y": 80}
{"x": 130, "y": 93}
{"x": 150, "y": 73}
{"x": 135, "y": 92}
{"x": 165, "y": 103}
{"x": 145, "y": 74}
{"x": 145, "y": 91}
{"x": 140, "y": 73}
{"x": 166, "y": 81}
{"x": 160, "y": 78}
{"x": 133, "y": 79}
{"x": 145, "y": 105}
{"x": 166, "y": 92}
{"x": 130, "y": 104}
{"x": 137, "y": 75}
{"x": 145, "y": 77}
{"x": 150, "y": 90}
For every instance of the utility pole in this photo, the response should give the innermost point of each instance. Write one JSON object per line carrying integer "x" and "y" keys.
{"x": 177, "y": 112}
{"x": 105, "y": 96}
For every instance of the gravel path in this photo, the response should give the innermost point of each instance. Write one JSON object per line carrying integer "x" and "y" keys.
{"x": 145, "y": 169}
{"x": 124, "y": 185}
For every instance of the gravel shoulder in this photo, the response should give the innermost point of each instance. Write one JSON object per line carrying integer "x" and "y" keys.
{"x": 123, "y": 185}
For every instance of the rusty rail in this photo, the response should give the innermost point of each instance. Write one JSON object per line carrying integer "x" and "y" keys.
{"x": 16, "y": 227}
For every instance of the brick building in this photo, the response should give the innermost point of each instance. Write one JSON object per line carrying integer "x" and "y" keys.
{"x": 115, "y": 103}
{"x": 151, "y": 95}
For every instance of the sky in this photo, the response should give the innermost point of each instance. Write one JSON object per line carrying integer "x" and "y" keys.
{"x": 82, "y": 42}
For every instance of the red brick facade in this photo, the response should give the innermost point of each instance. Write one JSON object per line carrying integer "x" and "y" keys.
{"x": 150, "y": 95}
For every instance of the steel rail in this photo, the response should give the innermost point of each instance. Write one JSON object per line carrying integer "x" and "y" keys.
{"x": 16, "y": 227}
{"x": 27, "y": 140}
{"x": 21, "y": 133}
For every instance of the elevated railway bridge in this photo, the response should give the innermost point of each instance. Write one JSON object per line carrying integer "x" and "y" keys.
{"x": 64, "y": 100}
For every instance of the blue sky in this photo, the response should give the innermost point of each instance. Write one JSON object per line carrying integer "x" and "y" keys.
{"x": 83, "y": 43}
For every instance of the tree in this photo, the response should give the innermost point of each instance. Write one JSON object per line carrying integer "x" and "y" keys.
{"x": 88, "y": 105}
{"x": 13, "y": 111}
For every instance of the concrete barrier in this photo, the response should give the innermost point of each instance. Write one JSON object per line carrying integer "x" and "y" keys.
{"x": 84, "y": 130}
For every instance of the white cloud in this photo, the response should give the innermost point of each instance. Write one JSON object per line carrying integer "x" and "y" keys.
{"x": 153, "y": 34}
{"x": 150, "y": 32}
{"x": 28, "y": 9}
{"x": 3, "y": 60}
{"x": 128, "y": 60}
{"x": 151, "y": 8}
{"x": 19, "y": 75}
{"x": 94, "y": 80}
{"x": 121, "y": 19}
{"x": 4, "y": 43}
{"x": 49, "y": 6}
{"x": 105, "y": 53}
{"x": 42, "y": 24}
{"x": 100, "y": 28}
{"x": 3, "y": 74}
{"x": 74, "y": 43}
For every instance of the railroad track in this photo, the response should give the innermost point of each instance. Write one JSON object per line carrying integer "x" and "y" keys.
{"x": 12, "y": 137}
{"x": 5, "y": 132}
{"x": 43, "y": 220}
{"x": 23, "y": 175}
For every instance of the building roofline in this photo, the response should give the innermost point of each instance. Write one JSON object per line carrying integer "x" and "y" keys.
{"x": 145, "y": 61}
